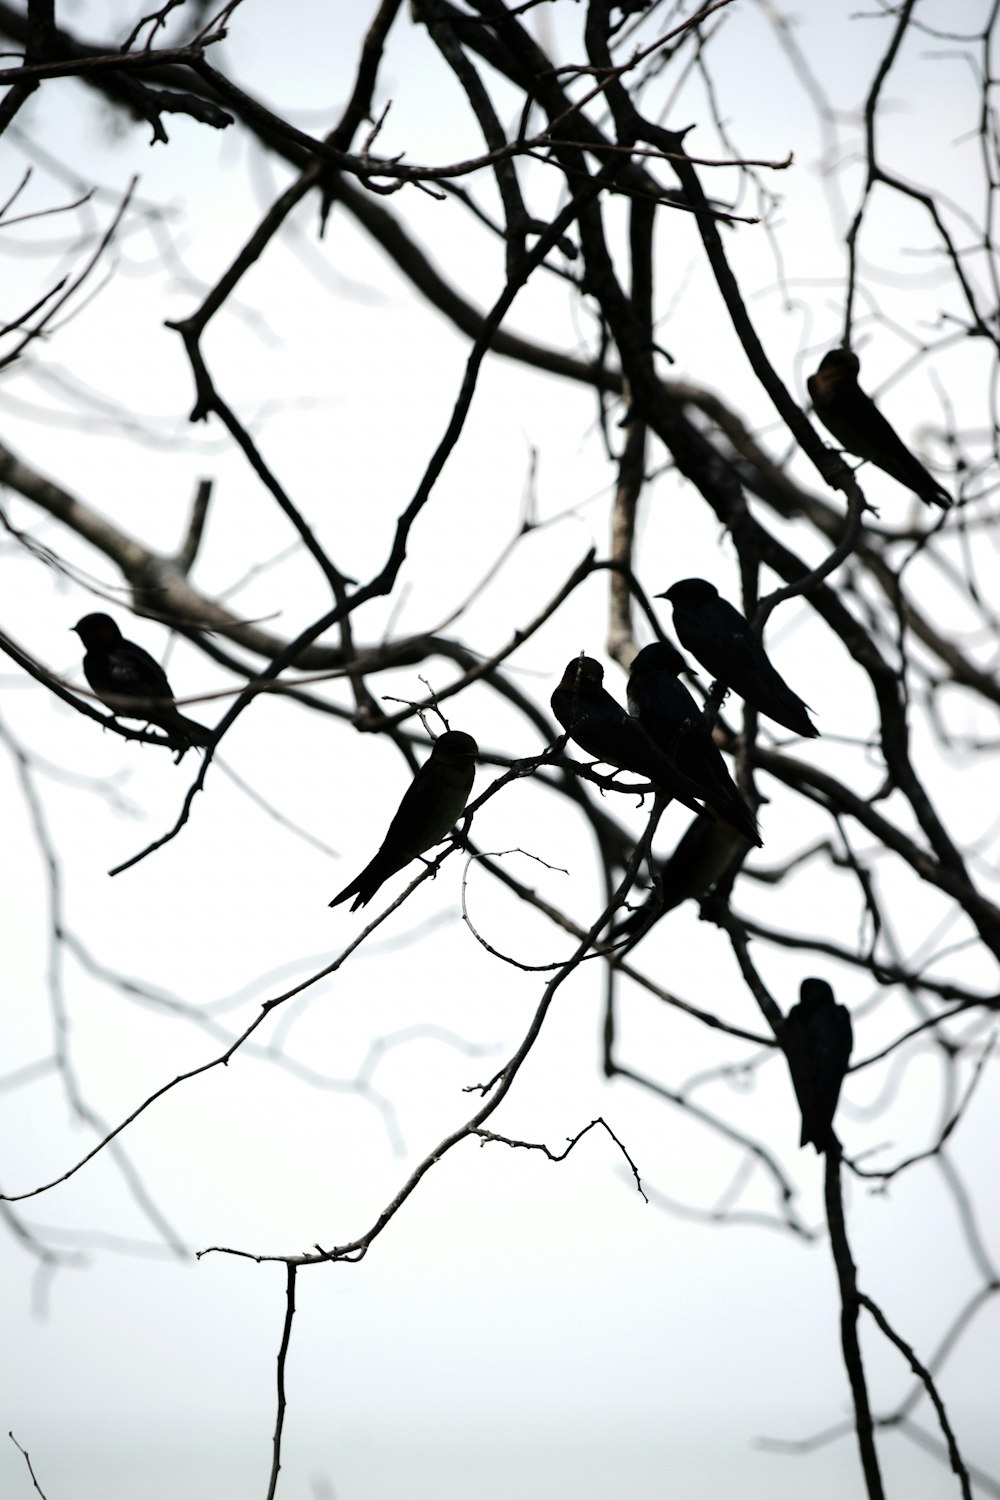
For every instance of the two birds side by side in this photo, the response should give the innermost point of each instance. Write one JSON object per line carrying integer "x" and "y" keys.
{"x": 673, "y": 720}
{"x": 601, "y": 727}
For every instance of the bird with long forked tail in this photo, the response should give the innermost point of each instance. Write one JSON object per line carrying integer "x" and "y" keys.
{"x": 721, "y": 639}
{"x": 132, "y": 683}
{"x": 432, "y": 804}
{"x": 672, "y": 718}
{"x": 817, "y": 1038}
{"x": 851, "y": 416}
{"x": 601, "y": 727}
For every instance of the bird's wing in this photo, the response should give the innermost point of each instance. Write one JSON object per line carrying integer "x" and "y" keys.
{"x": 130, "y": 664}
{"x": 856, "y": 422}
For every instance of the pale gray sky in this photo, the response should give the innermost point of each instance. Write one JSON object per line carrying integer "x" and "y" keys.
{"x": 522, "y": 1327}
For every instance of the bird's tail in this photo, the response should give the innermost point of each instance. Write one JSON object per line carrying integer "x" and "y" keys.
{"x": 735, "y": 812}
{"x": 349, "y": 890}
{"x": 180, "y": 727}
{"x": 363, "y": 886}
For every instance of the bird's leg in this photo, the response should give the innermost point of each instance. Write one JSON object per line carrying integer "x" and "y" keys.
{"x": 435, "y": 864}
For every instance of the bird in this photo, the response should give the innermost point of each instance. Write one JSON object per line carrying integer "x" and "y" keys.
{"x": 672, "y": 718}
{"x": 817, "y": 1038}
{"x": 132, "y": 683}
{"x": 432, "y": 804}
{"x": 707, "y": 852}
{"x": 721, "y": 639}
{"x": 602, "y": 728}
{"x": 855, "y": 421}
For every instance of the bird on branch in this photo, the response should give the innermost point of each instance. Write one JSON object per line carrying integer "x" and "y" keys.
{"x": 673, "y": 720}
{"x": 817, "y": 1038}
{"x": 852, "y": 417}
{"x": 722, "y": 641}
{"x": 601, "y": 727}
{"x": 432, "y": 804}
{"x": 132, "y": 683}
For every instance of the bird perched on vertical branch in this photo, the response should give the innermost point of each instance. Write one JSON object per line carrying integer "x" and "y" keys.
{"x": 601, "y": 727}
{"x": 672, "y": 718}
{"x": 132, "y": 683}
{"x": 432, "y": 804}
{"x": 852, "y": 417}
{"x": 722, "y": 641}
{"x": 817, "y": 1038}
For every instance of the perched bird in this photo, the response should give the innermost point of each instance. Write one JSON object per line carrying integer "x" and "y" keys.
{"x": 432, "y": 804}
{"x": 672, "y": 718}
{"x": 719, "y": 636}
{"x": 602, "y": 728}
{"x": 852, "y": 417}
{"x": 817, "y": 1039}
{"x": 706, "y": 853}
{"x": 131, "y": 683}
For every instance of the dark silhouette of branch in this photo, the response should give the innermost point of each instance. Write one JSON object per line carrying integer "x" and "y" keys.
{"x": 279, "y": 1419}
{"x": 581, "y": 192}
{"x": 849, "y": 1304}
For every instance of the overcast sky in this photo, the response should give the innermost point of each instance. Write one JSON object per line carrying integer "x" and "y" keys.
{"x": 522, "y": 1327}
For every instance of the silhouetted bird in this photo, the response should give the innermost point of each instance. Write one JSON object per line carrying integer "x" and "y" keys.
{"x": 720, "y": 638}
{"x": 817, "y": 1038}
{"x": 705, "y": 854}
{"x": 855, "y": 421}
{"x": 672, "y": 718}
{"x": 602, "y": 728}
{"x": 131, "y": 683}
{"x": 432, "y": 804}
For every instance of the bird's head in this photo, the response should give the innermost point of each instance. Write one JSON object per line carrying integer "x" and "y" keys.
{"x": 455, "y": 748}
{"x": 839, "y": 364}
{"x": 690, "y": 593}
{"x": 815, "y": 992}
{"x": 97, "y": 632}
{"x": 581, "y": 673}
{"x": 661, "y": 656}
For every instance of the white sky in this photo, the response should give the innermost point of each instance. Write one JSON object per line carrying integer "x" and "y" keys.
{"x": 522, "y": 1327}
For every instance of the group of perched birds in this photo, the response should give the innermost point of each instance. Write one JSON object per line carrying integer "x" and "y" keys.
{"x": 661, "y": 736}
{"x": 664, "y": 738}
